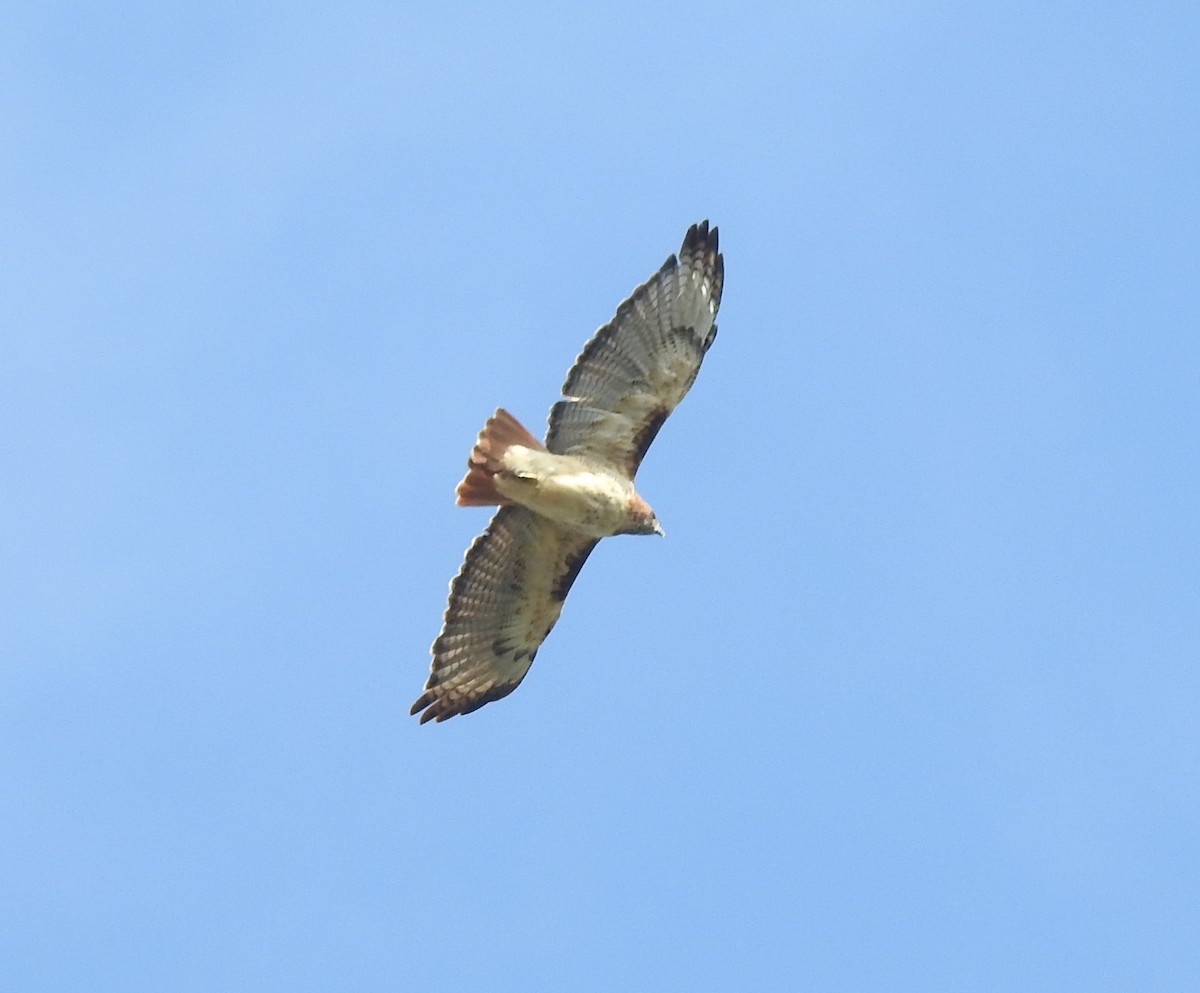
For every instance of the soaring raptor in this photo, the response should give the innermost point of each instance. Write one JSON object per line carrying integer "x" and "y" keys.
{"x": 557, "y": 499}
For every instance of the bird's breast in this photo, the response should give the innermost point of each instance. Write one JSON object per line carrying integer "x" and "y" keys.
{"x": 582, "y": 497}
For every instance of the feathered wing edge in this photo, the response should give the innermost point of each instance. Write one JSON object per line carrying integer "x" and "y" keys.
{"x": 504, "y": 601}
{"x": 634, "y": 370}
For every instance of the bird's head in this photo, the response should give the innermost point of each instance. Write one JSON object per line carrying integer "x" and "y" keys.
{"x": 641, "y": 519}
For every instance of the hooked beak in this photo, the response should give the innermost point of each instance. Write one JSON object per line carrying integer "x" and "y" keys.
{"x": 658, "y": 529}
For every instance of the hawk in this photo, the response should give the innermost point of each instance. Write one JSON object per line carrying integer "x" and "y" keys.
{"x": 559, "y": 497}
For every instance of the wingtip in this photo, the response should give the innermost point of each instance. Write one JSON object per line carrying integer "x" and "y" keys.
{"x": 700, "y": 235}
{"x": 701, "y": 245}
{"x": 700, "y": 241}
{"x": 427, "y": 706}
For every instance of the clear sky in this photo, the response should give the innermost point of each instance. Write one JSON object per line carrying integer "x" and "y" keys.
{"x": 908, "y": 698}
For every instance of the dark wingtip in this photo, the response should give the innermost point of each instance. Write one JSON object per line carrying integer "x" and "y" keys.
{"x": 429, "y": 706}
{"x": 431, "y": 710}
{"x": 699, "y": 240}
{"x": 700, "y": 236}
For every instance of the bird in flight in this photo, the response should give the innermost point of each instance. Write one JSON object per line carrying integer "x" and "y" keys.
{"x": 559, "y": 497}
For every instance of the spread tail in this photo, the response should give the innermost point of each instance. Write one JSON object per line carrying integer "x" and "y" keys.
{"x": 478, "y": 486}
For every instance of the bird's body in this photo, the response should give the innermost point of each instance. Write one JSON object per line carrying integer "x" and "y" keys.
{"x": 585, "y": 495}
{"x": 558, "y": 499}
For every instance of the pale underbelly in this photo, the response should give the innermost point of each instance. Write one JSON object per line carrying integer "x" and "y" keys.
{"x": 586, "y": 502}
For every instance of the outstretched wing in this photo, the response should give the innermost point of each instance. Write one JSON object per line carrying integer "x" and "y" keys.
{"x": 636, "y": 369}
{"x": 503, "y": 603}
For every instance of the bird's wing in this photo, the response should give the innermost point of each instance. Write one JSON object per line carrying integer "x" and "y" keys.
{"x": 636, "y": 369}
{"x": 503, "y": 603}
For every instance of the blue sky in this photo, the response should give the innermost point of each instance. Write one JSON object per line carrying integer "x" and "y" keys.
{"x": 907, "y": 699}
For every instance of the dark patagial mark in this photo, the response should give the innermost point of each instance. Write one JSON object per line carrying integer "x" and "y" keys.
{"x": 649, "y": 431}
{"x": 573, "y": 564}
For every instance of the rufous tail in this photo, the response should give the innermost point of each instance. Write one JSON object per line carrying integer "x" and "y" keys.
{"x": 478, "y": 486}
